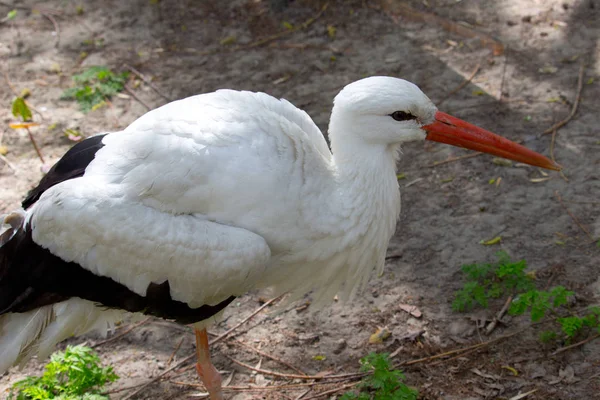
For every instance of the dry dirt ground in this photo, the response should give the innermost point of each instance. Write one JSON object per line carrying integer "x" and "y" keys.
{"x": 188, "y": 47}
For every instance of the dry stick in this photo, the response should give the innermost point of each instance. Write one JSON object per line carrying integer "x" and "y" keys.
{"x": 304, "y": 25}
{"x": 552, "y": 143}
{"x": 252, "y": 388}
{"x": 174, "y": 352}
{"x": 120, "y": 335}
{"x": 462, "y": 85}
{"x": 272, "y": 373}
{"x": 301, "y": 395}
{"x": 262, "y": 353}
{"x": 562, "y": 123}
{"x": 438, "y": 163}
{"x": 328, "y": 392}
{"x": 259, "y": 309}
{"x": 269, "y": 38}
{"x": 465, "y": 349}
{"x": 498, "y": 317}
{"x": 576, "y": 344}
{"x": 293, "y": 376}
{"x": 523, "y": 395}
{"x": 573, "y": 216}
{"x": 35, "y": 146}
{"x": 135, "y": 96}
{"x": 148, "y": 82}
{"x": 55, "y": 24}
{"x": 185, "y": 360}
{"x": 8, "y": 163}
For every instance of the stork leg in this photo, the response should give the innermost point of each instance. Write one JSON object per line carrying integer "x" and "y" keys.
{"x": 207, "y": 372}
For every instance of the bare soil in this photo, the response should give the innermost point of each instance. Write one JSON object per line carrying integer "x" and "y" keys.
{"x": 188, "y": 47}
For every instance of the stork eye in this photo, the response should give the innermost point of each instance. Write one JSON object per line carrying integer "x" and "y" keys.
{"x": 402, "y": 116}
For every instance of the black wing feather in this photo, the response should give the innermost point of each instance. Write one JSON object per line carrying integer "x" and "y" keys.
{"x": 31, "y": 276}
{"x": 71, "y": 165}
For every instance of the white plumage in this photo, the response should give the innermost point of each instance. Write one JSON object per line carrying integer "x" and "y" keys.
{"x": 227, "y": 191}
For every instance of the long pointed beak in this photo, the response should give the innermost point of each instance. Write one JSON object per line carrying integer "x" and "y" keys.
{"x": 450, "y": 130}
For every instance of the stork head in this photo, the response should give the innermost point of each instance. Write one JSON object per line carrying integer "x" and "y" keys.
{"x": 391, "y": 111}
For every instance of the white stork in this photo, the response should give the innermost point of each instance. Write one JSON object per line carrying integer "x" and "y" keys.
{"x": 207, "y": 197}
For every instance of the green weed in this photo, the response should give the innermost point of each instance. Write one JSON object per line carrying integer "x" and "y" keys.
{"x": 74, "y": 374}
{"x": 94, "y": 86}
{"x": 382, "y": 383}
{"x": 508, "y": 278}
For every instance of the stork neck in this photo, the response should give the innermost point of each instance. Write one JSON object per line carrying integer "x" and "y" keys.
{"x": 366, "y": 175}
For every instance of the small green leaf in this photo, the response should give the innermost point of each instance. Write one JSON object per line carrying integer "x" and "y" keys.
{"x": 287, "y": 25}
{"x": 20, "y": 109}
{"x": 11, "y": 14}
{"x": 490, "y": 242}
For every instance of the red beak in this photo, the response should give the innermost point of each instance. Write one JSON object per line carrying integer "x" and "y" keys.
{"x": 450, "y": 130}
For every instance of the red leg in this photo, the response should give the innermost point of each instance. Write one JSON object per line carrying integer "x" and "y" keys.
{"x": 207, "y": 372}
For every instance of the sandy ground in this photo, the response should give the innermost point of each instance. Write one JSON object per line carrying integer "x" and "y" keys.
{"x": 447, "y": 209}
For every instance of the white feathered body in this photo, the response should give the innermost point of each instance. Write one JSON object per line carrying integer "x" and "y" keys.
{"x": 218, "y": 194}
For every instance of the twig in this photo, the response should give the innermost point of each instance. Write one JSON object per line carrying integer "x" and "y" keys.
{"x": 502, "y": 81}
{"x": 438, "y": 163}
{"x": 253, "y": 388}
{"x": 272, "y": 373}
{"x": 269, "y": 38}
{"x": 465, "y": 349}
{"x": 523, "y": 395}
{"x": 135, "y": 96}
{"x": 262, "y": 353}
{"x": 328, "y": 392}
{"x": 120, "y": 335}
{"x": 293, "y": 376}
{"x": 8, "y": 163}
{"x": 462, "y": 85}
{"x": 55, "y": 24}
{"x": 185, "y": 360}
{"x": 498, "y": 317}
{"x": 148, "y": 82}
{"x": 552, "y": 143}
{"x": 563, "y": 349}
{"x": 259, "y": 309}
{"x": 301, "y": 395}
{"x": 562, "y": 123}
{"x": 573, "y": 216}
{"x": 279, "y": 35}
{"x": 174, "y": 352}
{"x": 35, "y": 146}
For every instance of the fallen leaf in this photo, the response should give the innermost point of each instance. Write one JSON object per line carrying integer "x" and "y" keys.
{"x": 490, "y": 242}
{"x": 511, "y": 369}
{"x": 498, "y": 181}
{"x": 401, "y": 176}
{"x": 287, "y": 25}
{"x": 548, "y": 69}
{"x": 503, "y": 162}
{"x": 412, "y": 310}
{"x": 21, "y": 125}
{"x": 538, "y": 180}
{"x": 492, "y": 181}
{"x": 227, "y": 41}
{"x": 319, "y": 357}
{"x": 478, "y": 92}
{"x": 331, "y": 31}
{"x": 380, "y": 335}
{"x": 3, "y": 150}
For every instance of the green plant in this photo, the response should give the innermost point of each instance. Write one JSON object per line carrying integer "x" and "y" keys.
{"x": 94, "y": 86}
{"x": 382, "y": 383}
{"x": 74, "y": 374}
{"x": 487, "y": 281}
{"x": 508, "y": 278}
